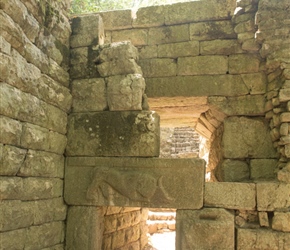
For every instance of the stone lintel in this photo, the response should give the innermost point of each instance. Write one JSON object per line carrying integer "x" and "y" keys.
{"x": 135, "y": 182}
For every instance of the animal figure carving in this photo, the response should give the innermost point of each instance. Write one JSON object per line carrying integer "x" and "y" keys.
{"x": 135, "y": 185}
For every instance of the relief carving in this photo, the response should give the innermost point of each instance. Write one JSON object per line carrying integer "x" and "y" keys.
{"x": 134, "y": 185}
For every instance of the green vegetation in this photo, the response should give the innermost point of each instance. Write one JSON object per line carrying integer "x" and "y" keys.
{"x": 89, "y": 6}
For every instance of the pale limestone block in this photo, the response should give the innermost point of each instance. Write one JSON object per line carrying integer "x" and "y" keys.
{"x": 281, "y": 221}
{"x": 158, "y": 67}
{"x": 272, "y": 196}
{"x": 248, "y": 239}
{"x": 8, "y": 239}
{"x": 11, "y": 131}
{"x": 138, "y": 37}
{"x": 202, "y": 65}
{"x": 129, "y": 219}
{"x": 150, "y": 16}
{"x": 117, "y": 19}
{"x": 220, "y": 47}
{"x": 146, "y": 52}
{"x": 12, "y": 159}
{"x": 285, "y": 117}
{"x": 118, "y": 239}
{"x": 5, "y": 47}
{"x": 175, "y": 50}
{"x": 110, "y": 224}
{"x": 243, "y": 64}
{"x": 42, "y": 164}
{"x": 212, "y": 30}
{"x": 87, "y": 30}
{"x": 89, "y": 95}
{"x": 125, "y": 92}
{"x": 230, "y": 195}
{"x": 284, "y": 95}
{"x": 241, "y": 105}
{"x": 113, "y": 210}
{"x": 168, "y": 34}
{"x": 214, "y": 85}
{"x": 255, "y": 82}
{"x": 284, "y": 174}
{"x": 263, "y": 169}
{"x": 263, "y": 219}
{"x": 84, "y": 228}
{"x": 134, "y": 182}
{"x": 216, "y": 225}
{"x": 252, "y": 141}
{"x": 127, "y": 133}
{"x": 39, "y": 138}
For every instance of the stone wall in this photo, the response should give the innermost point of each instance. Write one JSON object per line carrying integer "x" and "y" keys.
{"x": 35, "y": 100}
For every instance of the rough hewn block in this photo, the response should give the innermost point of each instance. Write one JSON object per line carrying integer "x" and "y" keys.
{"x": 243, "y": 64}
{"x": 263, "y": 169}
{"x": 208, "y": 228}
{"x": 230, "y": 195}
{"x": 202, "y": 65}
{"x": 126, "y": 133}
{"x": 220, "y": 85}
{"x": 133, "y": 182}
{"x": 146, "y": 52}
{"x": 125, "y": 92}
{"x": 211, "y": 30}
{"x": 89, "y": 95}
{"x": 87, "y": 30}
{"x": 137, "y": 37}
{"x": 175, "y": 50}
{"x": 117, "y": 19}
{"x": 5, "y": 47}
{"x": 158, "y": 67}
{"x": 168, "y": 34}
{"x": 255, "y": 82}
{"x": 249, "y": 239}
{"x": 272, "y": 196}
{"x": 281, "y": 221}
{"x": 150, "y": 16}
{"x": 8, "y": 239}
{"x": 220, "y": 47}
{"x": 11, "y": 131}
{"x": 84, "y": 228}
{"x": 252, "y": 141}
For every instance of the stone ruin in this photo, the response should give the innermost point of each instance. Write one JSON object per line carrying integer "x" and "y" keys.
{"x": 80, "y": 138}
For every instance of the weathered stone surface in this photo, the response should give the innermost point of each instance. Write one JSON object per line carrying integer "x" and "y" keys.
{"x": 263, "y": 169}
{"x": 117, "y": 19}
{"x": 16, "y": 188}
{"x": 263, "y": 219}
{"x": 175, "y": 50}
{"x": 232, "y": 171}
{"x": 11, "y": 131}
{"x": 241, "y": 105}
{"x": 89, "y": 95}
{"x": 202, "y": 65}
{"x": 127, "y": 133}
{"x": 230, "y": 195}
{"x": 137, "y": 37}
{"x": 272, "y": 196}
{"x": 284, "y": 95}
{"x": 125, "y": 92}
{"x": 84, "y": 228}
{"x": 255, "y": 82}
{"x": 211, "y": 30}
{"x": 285, "y": 117}
{"x": 158, "y": 67}
{"x": 87, "y": 30}
{"x": 281, "y": 221}
{"x": 209, "y": 228}
{"x": 39, "y": 138}
{"x": 251, "y": 141}
{"x": 224, "y": 85}
{"x": 132, "y": 182}
{"x": 11, "y": 159}
{"x": 146, "y": 52}
{"x": 42, "y": 164}
{"x": 5, "y": 47}
{"x": 150, "y": 16}
{"x": 243, "y": 63}
{"x": 249, "y": 239}
{"x": 168, "y": 34}
{"x": 220, "y": 47}
{"x": 8, "y": 239}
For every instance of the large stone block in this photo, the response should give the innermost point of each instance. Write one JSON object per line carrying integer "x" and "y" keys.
{"x": 218, "y": 85}
{"x": 220, "y": 47}
{"x": 87, "y": 30}
{"x": 11, "y": 131}
{"x": 247, "y": 138}
{"x": 158, "y": 67}
{"x": 126, "y": 133}
{"x": 125, "y": 92}
{"x": 243, "y": 64}
{"x": 281, "y": 221}
{"x": 263, "y": 169}
{"x": 256, "y": 82}
{"x": 145, "y": 182}
{"x": 168, "y": 34}
{"x": 249, "y": 239}
{"x": 209, "y": 228}
{"x": 117, "y": 19}
{"x": 150, "y": 16}
{"x": 89, "y": 95}
{"x": 137, "y": 37}
{"x": 202, "y": 65}
{"x": 175, "y": 50}
{"x": 84, "y": 229}
{"x": 240, "y": 105}
{"x": 230, "y": 195}
{"x": 273, "y": 196}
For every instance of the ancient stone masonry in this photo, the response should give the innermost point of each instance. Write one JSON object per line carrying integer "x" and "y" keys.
{"x": 34, "y": 102}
